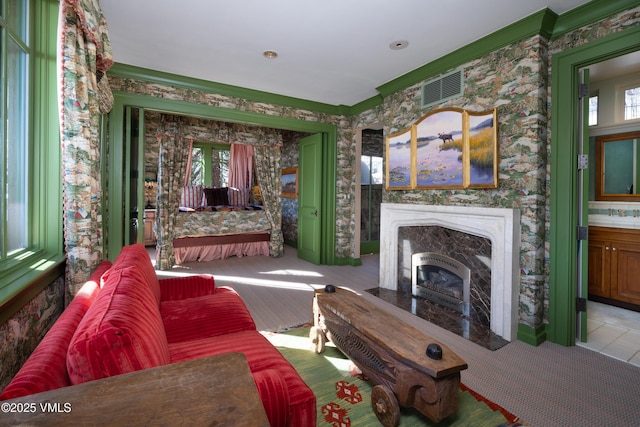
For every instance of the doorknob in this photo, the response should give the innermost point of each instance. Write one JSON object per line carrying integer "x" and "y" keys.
{"x": 315, "y": 213}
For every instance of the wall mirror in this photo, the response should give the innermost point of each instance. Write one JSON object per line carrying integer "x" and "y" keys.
{"x": 617, "y": 163}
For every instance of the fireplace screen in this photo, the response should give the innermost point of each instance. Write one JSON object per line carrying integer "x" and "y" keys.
{"x": 441, "y": 279}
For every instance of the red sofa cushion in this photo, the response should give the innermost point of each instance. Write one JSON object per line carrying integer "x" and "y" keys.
{"x": 261, "y": 355}
{"x": 206, "y": 316}
{"x": 137, "y": 256}
{"x": 121, "y": 332}
{"x": 46, "y": 368}
{"x": 177, "y": 288}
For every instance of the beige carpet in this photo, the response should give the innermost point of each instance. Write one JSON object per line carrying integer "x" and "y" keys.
{"x": 548, "y": 385}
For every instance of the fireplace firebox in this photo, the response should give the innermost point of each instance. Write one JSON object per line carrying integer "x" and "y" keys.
{"x": 441, "y": 279}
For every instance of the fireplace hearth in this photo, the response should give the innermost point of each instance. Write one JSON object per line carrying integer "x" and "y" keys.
{"x": 486, "y": 240}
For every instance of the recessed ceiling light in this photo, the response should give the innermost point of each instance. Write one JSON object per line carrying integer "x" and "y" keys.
{"x": 271, "y": 54}
{"x": 398, "y": 44}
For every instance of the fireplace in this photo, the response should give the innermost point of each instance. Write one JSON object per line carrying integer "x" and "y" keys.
{"x": 441, "y": 279}
{"x": 498, "y": 226}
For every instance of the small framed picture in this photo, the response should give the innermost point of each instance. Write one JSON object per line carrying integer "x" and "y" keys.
{"x": 290, "y": 183}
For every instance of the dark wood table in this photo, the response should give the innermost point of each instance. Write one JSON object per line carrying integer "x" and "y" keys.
{"x": 410, "y": 368}
{"x": 213, "y": 391}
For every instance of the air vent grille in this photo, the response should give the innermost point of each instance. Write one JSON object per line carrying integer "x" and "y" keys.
{"x": 442, "y": 89}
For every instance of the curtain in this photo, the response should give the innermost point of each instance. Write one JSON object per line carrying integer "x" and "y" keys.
{"x": 187, "y": 169}
{"x": 172, "y": 165}
{"x": 83, "y": 58}
{"x": 268, "y": 173}
{"x": 241, "y": 166}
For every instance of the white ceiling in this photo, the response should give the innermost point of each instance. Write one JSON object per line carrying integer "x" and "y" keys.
{"x": 330, "y": 51}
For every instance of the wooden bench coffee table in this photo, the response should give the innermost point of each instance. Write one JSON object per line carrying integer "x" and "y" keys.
{"x": 409, "y": 368}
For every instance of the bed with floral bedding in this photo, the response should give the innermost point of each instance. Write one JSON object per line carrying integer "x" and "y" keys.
{"x": 206, "y": 230}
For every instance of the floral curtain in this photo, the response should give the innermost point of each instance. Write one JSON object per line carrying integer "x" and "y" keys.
{"x": 84, "y": 56}
{"x": 173, "y": 157}
{"x": 268, "y": 173}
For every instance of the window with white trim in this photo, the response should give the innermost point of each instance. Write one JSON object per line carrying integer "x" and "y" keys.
{"x": 632, "y": 103}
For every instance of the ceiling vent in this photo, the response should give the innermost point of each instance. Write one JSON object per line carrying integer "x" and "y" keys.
{"x": 443, "y": 88}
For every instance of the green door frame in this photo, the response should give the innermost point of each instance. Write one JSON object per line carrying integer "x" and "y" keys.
{"x": 114, "y": 232}
{"x": 564, "y": 177}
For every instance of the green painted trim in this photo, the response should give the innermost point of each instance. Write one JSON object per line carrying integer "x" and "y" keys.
{"x": 562, "y": 264}
{"x": 353, "y": 262}
{"x": 593, "y": 11}
{"x": 26, "y": 276}
{"x": 116, "y": 156}
{"x": 371, "y": 247}
{"x": 32, "y": 284}
{"x": 532, "y": 336}
{"x": 538, "y": 23}
{"x": 366, "y": 105}
{"x": 145, "y": 74}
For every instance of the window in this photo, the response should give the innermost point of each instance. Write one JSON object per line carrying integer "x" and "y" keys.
{"x": 632, "y": 103}
{"x": 14, "y": 55}
{"x": 210, "y": 164}
{"x": 593, "y": 110}
{"x": 31, "y": 244}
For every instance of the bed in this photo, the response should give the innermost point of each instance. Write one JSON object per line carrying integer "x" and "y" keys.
{"x": 206, "y": 235}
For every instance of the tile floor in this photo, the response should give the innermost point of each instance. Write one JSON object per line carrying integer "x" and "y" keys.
{"x": 613, "y": 331}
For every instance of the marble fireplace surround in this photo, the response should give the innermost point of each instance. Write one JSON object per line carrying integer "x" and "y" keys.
{"x": 500, "y": 225}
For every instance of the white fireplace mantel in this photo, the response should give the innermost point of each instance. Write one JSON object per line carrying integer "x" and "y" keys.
{"x": 500, "y": 225}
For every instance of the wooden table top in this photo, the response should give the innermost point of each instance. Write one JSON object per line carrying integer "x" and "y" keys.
{"x": 407, "y": 343}
{"x": 216, "y": 390}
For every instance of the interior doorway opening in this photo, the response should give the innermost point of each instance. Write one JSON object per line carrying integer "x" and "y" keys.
{"x": 369, "y": 190}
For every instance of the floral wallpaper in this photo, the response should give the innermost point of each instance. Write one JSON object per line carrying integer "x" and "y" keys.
{"x": 20, "y": 335}
{"x": 515, "y": 79}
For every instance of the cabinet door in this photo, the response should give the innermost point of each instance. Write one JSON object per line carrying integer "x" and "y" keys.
{"x": 599, "y": 268}
{"x": 625, "y": 272}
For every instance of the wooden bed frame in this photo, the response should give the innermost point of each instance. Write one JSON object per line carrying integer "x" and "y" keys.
{"x": 184, "y": 242}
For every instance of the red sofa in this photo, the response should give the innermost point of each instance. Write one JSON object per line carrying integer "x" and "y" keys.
{"x": 124, "y": 319}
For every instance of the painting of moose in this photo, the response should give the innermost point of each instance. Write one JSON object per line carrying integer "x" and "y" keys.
{"x": 445, "y": 137}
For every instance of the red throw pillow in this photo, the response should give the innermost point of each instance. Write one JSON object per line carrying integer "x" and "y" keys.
{"x": 121, "y": 332}
{"x": 137, "y": 255}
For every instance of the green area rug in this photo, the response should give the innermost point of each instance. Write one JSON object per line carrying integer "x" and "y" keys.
{"x": 343, "y": 394}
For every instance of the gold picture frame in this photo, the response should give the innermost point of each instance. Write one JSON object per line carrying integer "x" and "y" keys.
{"x": 289, "y": 181}
{"x": 447, "y": 148}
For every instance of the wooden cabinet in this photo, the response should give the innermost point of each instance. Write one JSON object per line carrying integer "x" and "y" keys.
{"x": 149, "y": 219}
{"x": 614, "y": 265}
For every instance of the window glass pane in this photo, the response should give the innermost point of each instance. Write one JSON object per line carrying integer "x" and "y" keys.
{"x": 365, "y": 170}
{"x": 220, "y": 168}
{"x": 16, "y": 16}
{"x": 197, "y": 167}
{"x": 593, "y": 111}
{"x": 376, "y": 170}
{"x": 632, "y": 103}
{"x": 16, "y": 148}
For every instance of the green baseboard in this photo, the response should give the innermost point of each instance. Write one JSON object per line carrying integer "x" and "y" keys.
{"x": 532, "y": 336}
{"x": 355, "y": 262}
